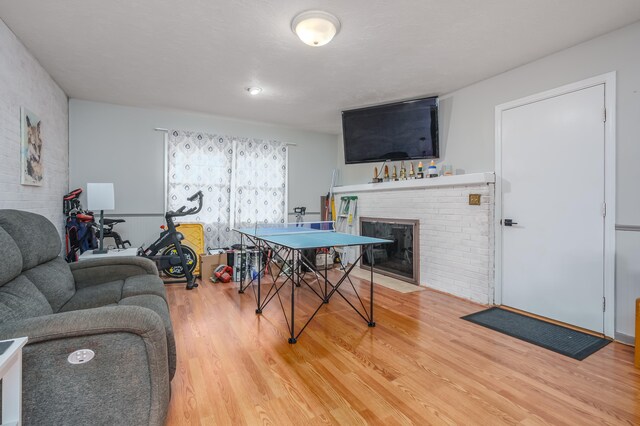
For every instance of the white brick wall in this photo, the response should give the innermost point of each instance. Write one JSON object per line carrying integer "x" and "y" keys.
{"x": 456, "y": 239}
{"x": 24, "y": 83}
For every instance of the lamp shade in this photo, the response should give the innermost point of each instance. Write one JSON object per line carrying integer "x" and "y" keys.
{"x": 100, "y": 196}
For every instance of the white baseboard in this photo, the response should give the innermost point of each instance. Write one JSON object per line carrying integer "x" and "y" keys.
{"x": 625, "y": 338}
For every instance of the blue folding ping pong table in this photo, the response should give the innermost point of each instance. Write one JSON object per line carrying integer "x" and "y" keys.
{"x": 286, "y": 244}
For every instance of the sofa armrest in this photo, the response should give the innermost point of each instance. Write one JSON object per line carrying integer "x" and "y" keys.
{"x": 127, "y": 382}
{"x": 98, "y": 271}
{"x": 131, "y": 319}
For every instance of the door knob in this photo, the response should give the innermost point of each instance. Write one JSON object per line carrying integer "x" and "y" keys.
{"x": 509, "y": 222}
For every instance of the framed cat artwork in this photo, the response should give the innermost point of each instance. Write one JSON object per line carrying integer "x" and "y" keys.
{"x": 31, "y": 149}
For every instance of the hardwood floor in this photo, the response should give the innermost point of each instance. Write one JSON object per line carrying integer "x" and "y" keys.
{"x": 420, "y": 365}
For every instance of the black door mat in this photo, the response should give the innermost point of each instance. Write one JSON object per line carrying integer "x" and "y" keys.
{"x": 565, "y": 341}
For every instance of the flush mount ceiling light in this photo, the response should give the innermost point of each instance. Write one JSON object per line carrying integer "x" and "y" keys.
{"x": 254, "y": 90}
{"x": 315, "y": 27}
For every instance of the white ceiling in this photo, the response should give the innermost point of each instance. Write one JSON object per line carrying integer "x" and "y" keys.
{"x": 199, "y": 55}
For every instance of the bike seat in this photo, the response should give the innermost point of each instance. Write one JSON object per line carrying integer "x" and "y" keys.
{"x": 113, "y": 221}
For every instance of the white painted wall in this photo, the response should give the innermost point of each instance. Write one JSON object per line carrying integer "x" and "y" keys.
{"x": 627, "y": 283}
{"x": 24, "y": 83}
{"x": 467, "y": 115}
{"x": 467, "y": 134}
{"x": 112, "y": 143}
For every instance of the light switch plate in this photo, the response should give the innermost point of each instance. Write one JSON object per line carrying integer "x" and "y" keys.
{"x": 474, "y": 199}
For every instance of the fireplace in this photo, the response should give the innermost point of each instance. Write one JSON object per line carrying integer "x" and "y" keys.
{"x": 456, "y": 239}
{"x": 398, "y": 260}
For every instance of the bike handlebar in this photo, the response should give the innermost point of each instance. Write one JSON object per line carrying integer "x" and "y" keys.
{"x": 196, "y": 195}
{"x": 193, "y": 210}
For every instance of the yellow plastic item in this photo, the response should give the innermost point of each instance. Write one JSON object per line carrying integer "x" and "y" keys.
{"x": 194, "y": 238}
{"x": 333, "y": 208}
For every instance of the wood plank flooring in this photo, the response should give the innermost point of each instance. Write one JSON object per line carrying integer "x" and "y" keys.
{"x": 420, "y": 365}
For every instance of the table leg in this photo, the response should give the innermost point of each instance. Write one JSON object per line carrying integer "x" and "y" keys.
{"x": 297, "y": 260}
{"x": 371, "y": 322}
{"x": 12, "y": 392}
{"x": 326, "y": 284}
{"x": 294, "y": 283}
{"x": 241, "y": 289}
{"x": 259, "y": 310}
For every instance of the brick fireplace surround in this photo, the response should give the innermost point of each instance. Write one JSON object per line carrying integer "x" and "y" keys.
{"x": 456, "y": 239}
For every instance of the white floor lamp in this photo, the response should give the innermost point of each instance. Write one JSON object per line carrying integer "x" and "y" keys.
{"x": 100, "y": 196}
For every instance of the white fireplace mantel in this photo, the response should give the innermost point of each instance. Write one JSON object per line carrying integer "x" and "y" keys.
{"x": 455, "y": 180}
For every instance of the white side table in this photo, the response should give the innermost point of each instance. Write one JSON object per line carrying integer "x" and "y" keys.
{"x": 11, "y": 374}
{"x": 131, "y": 251}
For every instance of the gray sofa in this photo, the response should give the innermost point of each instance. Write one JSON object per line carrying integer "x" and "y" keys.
{"x": 114, "y": 306}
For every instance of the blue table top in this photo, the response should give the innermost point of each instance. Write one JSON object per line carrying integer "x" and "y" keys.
{"x": 305, "y": 238}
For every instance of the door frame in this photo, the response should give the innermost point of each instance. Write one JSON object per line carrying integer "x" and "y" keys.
{"x": 609, "y": 81}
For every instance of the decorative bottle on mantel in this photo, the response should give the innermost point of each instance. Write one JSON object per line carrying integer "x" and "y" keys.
{"x": 420, "y": 173}
{"x": 433, "y": 170}
{"x": 386, "y": 172}
{"x": 394, "y": 176}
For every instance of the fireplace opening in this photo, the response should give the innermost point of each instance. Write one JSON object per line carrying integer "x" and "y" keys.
{"x": 399, "y": 259}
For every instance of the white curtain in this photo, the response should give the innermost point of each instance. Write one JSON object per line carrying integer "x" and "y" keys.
{"x": 260, "y": 182}
{"x": 243, "y": 180}
{"x": 200, "y": 161}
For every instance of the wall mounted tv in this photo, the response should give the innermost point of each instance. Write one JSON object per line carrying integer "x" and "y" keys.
{"x": 399, "y": 131}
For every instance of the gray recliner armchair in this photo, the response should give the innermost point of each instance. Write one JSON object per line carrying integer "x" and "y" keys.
{"x": 115, "y": 306}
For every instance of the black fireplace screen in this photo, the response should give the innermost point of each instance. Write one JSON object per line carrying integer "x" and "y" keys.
{"x": 397, "y": 258}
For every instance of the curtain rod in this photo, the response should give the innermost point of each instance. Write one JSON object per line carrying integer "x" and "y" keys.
{"x": 160, "y": 129}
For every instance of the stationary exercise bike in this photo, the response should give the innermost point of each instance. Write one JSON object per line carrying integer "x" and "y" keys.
{"x": 176, "y": 259}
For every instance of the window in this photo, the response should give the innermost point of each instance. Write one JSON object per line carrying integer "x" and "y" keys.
{"x": 244, "y": 181}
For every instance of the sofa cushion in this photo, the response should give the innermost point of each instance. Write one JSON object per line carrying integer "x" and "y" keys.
{"x": 35, "y": 236}
{"x": 54, "y": 280}
{"x": 159, "y": 306}
{"x": 143, "y": 284}
{"x": 21, "y": 299}
{"x": 11, "y": 264}
{"x": 95, "y": 296}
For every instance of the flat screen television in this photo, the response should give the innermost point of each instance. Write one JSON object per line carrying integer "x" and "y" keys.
{"x": 399, "y": 131}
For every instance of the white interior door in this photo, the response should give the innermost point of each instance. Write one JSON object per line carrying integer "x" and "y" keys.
{"x": 553, "y": 185}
